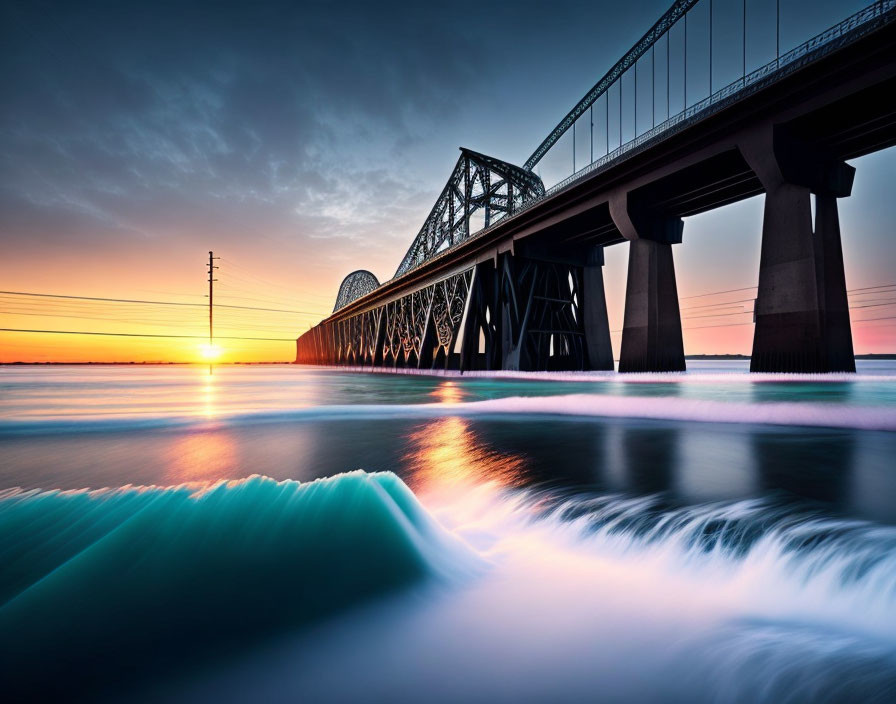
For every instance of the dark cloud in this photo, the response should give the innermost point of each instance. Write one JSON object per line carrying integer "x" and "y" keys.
{"x": 310, "y": 121}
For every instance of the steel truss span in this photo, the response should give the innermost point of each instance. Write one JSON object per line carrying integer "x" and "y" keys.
{"x": 421, "y": 329}
{"x": 517, "y": 314}
{"x": 478, "y": 183}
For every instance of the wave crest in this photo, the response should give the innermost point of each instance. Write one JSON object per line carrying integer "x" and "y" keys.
{"x": 106, "y": 580}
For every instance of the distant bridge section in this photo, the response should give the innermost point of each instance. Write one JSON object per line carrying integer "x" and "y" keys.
{"x": 354, "y": 286}
{"x": 506, "y": 274}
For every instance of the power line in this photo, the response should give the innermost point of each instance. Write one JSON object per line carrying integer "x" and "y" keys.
{"x": 729, "y": 325}
{"x": 247, "y": 323}
{"x": 871, "y": 304}
{"x": 868, "y": 320}
{"x": 715, "y": 315}
{"x": 718, "y": 305}
{"x": 868, "y": 288}
{"x": 134, "y": 334}
{"x": 128, "y": 313}
{"x": 95, "y": 298}
{"x": 139, "y": 321}
{"x": 153, "y": 318}
{"x": 713, "y": 293}
{"x": 265, "y": 291}
{"x": 162, "y": 303}
{"x": 237, "y": 295}
{"x": 248, "y": 277}
{"x": 305, "y": 312}
{"x": 750, "y": 288}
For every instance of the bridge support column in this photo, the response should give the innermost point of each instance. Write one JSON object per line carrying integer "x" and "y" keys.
{"x": 838, "y": 331}
{"x": 801, "y": 311}
{"x": 788, "y": 335}
{"x": 594, "y": 313}
{"x": 651, "y": 332}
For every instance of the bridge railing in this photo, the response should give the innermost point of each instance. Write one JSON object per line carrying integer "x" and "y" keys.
{"x": 694, "y": 47}
{"x": 831, "y": 39}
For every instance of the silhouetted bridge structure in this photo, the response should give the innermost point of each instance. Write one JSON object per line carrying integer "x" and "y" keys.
{"x": 506, "y": 274}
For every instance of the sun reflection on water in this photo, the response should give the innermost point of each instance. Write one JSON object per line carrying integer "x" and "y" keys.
{"x": 209, "y": 407}
{"x": 448, "y": 392}
{"x": 446, "y": 455}
{"x": 205, "y": 455}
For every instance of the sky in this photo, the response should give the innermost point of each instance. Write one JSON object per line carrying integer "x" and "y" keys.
{"x": 302, "y": 141}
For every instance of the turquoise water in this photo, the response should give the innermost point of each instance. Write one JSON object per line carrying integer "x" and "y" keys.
{"x": 277, "y": 533}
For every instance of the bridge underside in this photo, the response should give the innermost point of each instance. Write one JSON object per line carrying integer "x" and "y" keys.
{"x": 527, "y": 294}
{"x": 515, "y": 312}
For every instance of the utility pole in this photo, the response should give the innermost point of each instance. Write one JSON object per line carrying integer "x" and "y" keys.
{"x": 211, "y": 299}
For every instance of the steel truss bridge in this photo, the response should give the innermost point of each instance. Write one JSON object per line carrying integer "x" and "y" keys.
{"x": 525, "y": 290}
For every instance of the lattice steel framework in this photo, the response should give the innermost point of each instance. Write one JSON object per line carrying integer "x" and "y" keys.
{"x": 478, "y": 182}
{"x": 420, "y": 330}
{"x": 519, "y": 314}
{"x": 525, "y": 314}
{"x": 358, "y": 283}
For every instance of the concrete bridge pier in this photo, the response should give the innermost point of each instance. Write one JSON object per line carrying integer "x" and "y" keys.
{"x": 594, "y": 313}
{"x": 651, "y": 332}
{"x": 801, "y": 310}
{"x": 837, "y": 328}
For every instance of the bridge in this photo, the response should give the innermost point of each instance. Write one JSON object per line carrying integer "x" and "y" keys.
{"x": 507, "y": 274}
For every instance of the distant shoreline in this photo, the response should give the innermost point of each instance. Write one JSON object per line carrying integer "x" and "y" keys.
{"x": 136, "y": 364}
{"x": 706, "y": 357}
{"x": 714, "y": 357}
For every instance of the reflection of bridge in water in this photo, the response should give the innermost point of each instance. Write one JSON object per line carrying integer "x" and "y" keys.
{"x": 506, "y": 274}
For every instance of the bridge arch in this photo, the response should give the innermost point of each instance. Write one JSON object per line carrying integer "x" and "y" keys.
{"x": 357, "y": 284}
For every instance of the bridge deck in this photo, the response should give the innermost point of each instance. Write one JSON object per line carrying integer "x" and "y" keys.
{"x": 843, "y": 101}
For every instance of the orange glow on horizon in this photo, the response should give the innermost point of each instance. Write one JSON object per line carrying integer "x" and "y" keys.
{"x": 141, "y": 269}
{"x": 144, "y": 272}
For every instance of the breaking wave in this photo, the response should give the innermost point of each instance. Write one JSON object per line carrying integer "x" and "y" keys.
{"x": 744, "y": 600}
{"x": 841, "y": 562}
{"x": 99, "y": 582}
{"x": 615, "y": 598}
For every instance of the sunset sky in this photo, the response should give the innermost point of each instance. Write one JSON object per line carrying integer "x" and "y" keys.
{"x": 301, "y": 142}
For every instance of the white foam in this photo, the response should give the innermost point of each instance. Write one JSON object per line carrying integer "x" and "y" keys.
{"x": 809, "y": 414}
{"x": 605, "y": 599}
{"x": 714, "y": 377}
{"x": 827, "y": 415}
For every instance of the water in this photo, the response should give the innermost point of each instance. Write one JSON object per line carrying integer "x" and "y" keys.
{"x": 277, "y": 533}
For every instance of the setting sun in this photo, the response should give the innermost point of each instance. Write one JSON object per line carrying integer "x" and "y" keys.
{"x": 210, "y": 352}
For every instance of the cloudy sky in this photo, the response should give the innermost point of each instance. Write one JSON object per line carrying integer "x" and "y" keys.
{"x": 301, "y": 141}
